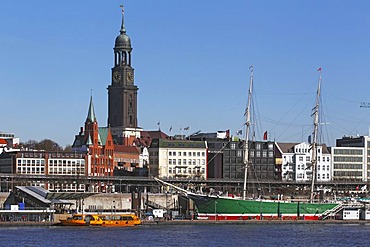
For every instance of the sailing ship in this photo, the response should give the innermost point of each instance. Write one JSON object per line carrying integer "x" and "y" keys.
{"x": 227, "y": 208}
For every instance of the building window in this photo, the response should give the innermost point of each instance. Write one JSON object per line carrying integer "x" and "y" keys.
{"x": 270, "y": 146}
{"x": 232, "y": 146}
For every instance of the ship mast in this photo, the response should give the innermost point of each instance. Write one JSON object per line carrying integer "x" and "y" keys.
{"x": 247, "y": 115}
{"x": 315, "y": 130}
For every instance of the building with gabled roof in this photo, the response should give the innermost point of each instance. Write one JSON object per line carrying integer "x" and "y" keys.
{"x": 98, "y": 143}
{"x": 146, "y": 137}
{"x": 296, "y": 161}
{"x": 127, "y": 161}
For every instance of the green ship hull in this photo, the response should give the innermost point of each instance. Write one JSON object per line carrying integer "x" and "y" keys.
{"x": 224, "y": 208}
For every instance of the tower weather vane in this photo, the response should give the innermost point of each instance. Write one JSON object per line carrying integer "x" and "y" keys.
{"x": 123, "y": 10}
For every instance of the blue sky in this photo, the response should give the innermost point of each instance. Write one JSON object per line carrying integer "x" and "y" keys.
{"x": 191, "y": 61}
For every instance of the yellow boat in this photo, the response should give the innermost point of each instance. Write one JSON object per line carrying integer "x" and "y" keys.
{"x": 120, "y": 220}
{"x": 101, "y": 220}
{"x": 82, "y": 220}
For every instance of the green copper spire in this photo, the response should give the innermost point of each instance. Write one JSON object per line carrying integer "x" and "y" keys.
{"x": 91, "y": 113}
{"x": 89, "y": 141}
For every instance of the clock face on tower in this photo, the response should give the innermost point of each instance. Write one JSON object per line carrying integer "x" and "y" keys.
{"x": 116, "y": 76}
{"x": 130, "y": 77}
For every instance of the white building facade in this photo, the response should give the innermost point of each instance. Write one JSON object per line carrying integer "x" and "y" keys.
{"x": 352, "y": 163}
{"x": 349, "y": 163}
{"x": 46, "y": 163}
{"x": 178, "y": 159}
{"x": 296, "y": 162}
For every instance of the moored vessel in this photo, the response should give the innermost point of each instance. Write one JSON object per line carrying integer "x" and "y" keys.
{"x": 81, "y": 220}
{"x": 226, "y": 208}
{"x": 120, "y": 220}
{"x": 101, "y": 220}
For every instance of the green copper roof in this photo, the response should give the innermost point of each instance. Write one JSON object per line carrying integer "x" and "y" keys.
{"x": 89, "y": 142}
{"x": 91, "y": 113}
{"x": 103, "y": 134}
{"x": 122, "y": 40}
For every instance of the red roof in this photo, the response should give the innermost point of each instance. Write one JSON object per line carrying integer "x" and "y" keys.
{"x": 126, "y": 149}
{"x": 156, "y": 134}
{"x": 147, "y": 137}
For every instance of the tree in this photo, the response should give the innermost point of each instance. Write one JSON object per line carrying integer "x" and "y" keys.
{"x": 45, "y": 145}
{"x": 68, "y": 148}
{"x": 48, "y": 145}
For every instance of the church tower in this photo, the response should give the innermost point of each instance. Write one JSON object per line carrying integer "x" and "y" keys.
{"x": 122, "y": 93}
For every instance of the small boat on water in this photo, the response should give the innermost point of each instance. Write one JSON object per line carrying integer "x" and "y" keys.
{"x": 82, "y": 220}
{"x": 120, "y": 220}
{"x": 101, "y": 220}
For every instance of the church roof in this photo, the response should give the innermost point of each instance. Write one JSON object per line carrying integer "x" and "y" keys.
{"x": 103, "y": 134}
{"x": 89, "y": 141}
{"x": 91, "y": 113}
{"x": 123, "y": 41}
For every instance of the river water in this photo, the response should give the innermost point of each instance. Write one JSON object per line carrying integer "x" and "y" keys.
{"x": 322, "y": 235}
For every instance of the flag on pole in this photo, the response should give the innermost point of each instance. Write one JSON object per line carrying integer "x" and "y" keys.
{"x": 309, "y": 139}
{"x": 170, "y": 128}
{"x": 319, "y": 69}
{"x": 239, "y": 132}
{"x": 265, "y": 136}
{"x": 186, "y": 128}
